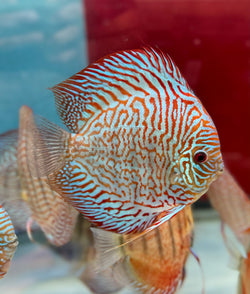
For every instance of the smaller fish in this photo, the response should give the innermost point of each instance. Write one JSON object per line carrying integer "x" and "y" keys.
{"x": 10, "y": 184}
{"x": 8, "y": 241}
{"x": 233, "y": 205}
{"x": 21, "y": 191}
{"x": 153, "y": 263}
{"x": 55, "y": 217}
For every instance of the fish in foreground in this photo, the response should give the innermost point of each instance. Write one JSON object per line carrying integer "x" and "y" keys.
{"x": 30, "y": 197}
{"x": 141, "y": 142}
{"x": 153, "y": 263}
{"x": 8, "y": 241}
{"x": 233, "y": 205}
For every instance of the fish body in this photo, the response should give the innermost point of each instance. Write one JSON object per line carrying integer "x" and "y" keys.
{"x": 8, "y": 241}
{"x": 142, "y": 142}
{"x": 153, "y": 263}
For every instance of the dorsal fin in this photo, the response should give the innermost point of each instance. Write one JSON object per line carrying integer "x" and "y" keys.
{"x": 112, "y": 79}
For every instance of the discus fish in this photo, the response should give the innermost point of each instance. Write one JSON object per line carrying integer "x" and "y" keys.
{"x": 20, "y": 191}
{"x": 154, "y": 263}
{"x": 233, "y": 205}
{"x": 8, "y": 242}
{"x": 143, "y": 143}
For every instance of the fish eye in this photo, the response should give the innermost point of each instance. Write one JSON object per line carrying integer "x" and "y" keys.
{"x": 200, "y": 156}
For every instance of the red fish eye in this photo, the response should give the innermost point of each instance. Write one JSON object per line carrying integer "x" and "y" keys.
{"x": 200, "y": 156}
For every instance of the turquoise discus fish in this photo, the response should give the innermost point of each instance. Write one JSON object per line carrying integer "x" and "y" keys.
{"x": 142, "y": 142}
{"x": 8, "y": 241}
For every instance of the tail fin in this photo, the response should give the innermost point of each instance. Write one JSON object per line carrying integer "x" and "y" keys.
{"x": 45, "y": 143}
{"x": 106, "y": 273}
{"x": 103, "y": 282}
{"x": 107, "y": 245}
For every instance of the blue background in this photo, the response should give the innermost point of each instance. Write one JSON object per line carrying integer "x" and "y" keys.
{"x": 41, "y": 44}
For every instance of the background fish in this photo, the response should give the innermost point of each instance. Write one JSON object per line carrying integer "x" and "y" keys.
{"x": 10, "y": 184}
{"x": 76, "y": 251}
{"x": 233, "y": 205}
{"x": 29, "y": 196}
{"x": 9, "y": 180}
{"x": 8, "y": 241}
{"x": 153, "y": 263}
{"x": 55, "y": 217}
{"x": 142, "y": 143}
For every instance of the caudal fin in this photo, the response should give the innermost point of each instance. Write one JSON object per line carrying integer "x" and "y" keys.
{"x": 45, "y": 142}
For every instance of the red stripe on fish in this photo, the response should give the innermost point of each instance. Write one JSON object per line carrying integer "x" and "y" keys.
{"x": 8, "y": 241}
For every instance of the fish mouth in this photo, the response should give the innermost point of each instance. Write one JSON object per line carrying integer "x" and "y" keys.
{"x": 176, "y": 179}
{"x": 220, "y": 169}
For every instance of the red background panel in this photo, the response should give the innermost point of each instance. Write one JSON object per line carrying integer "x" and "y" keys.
{"x": 208, "y": 40}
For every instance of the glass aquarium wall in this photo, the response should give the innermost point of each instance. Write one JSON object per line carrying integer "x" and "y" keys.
{"x": 41, "y": 44}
